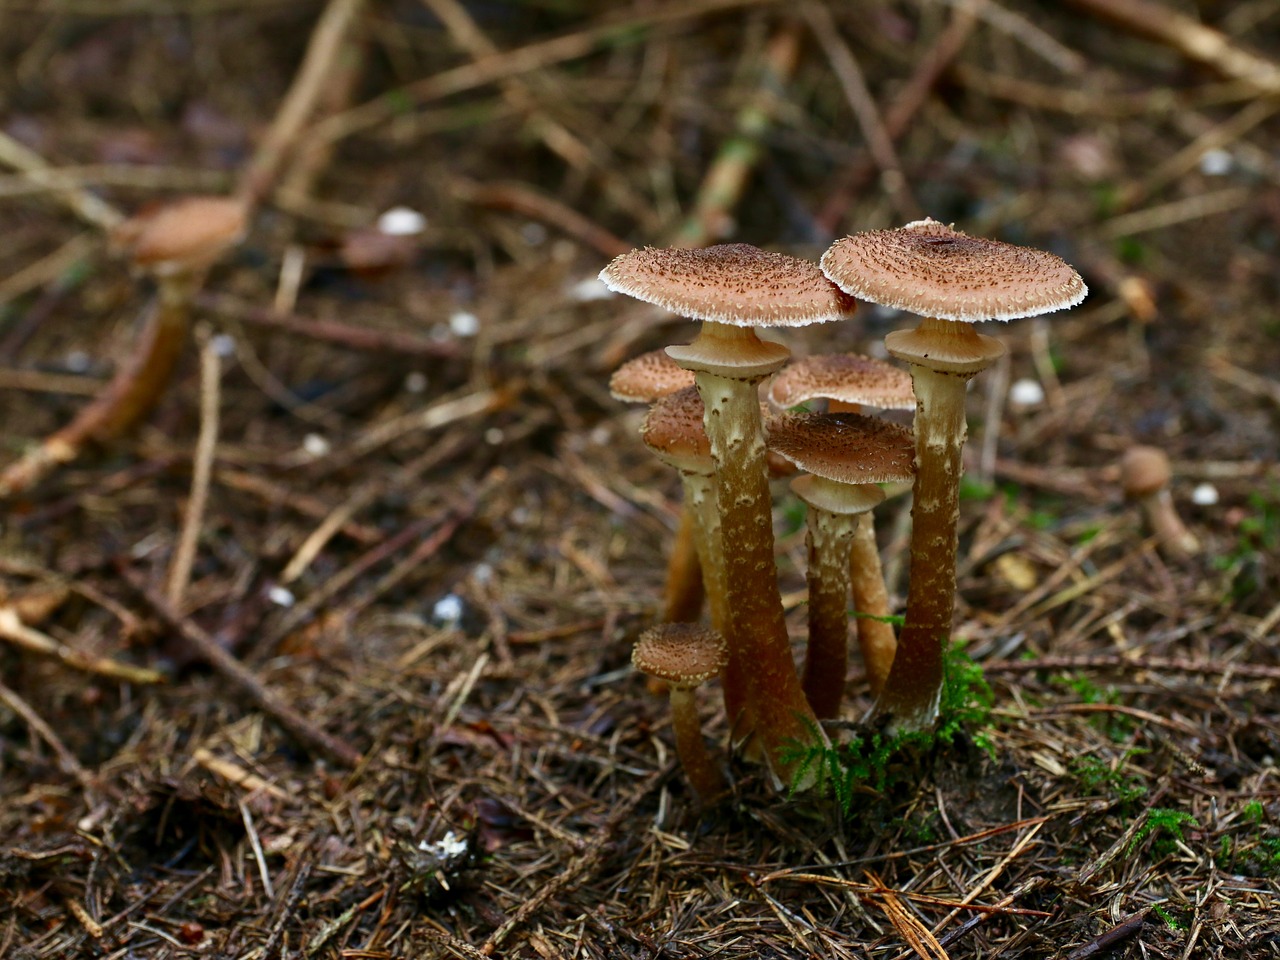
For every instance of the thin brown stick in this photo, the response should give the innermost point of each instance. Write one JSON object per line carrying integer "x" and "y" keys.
{"x": 581, "y": 865}
{"x": 1193, "y": 40}
{"x": 329, "y": 331}
{"x": 511, "y": 63}
{"x": 212, "y": 653}
{"x": 899, "y": 115}
{"x": 875, "y": 132}
{"x": 184, "y": 553}
{"x": 1250, "y": 671}
{"x": 727, "y": 177}
{"x": 28, "y": 638}
{"x": 46, "y": 733}
{"x": 326, "y": 43}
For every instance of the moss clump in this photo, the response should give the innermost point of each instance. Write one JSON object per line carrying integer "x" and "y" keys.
{"x": 873, "y": 761}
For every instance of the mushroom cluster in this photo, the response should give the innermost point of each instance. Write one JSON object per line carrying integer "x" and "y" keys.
{"x": 952, "y": 280}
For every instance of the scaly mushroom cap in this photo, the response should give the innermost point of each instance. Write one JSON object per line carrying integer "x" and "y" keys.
{"x": 845, "y": 447}
{"x": 188, "y": 234}
{"x": 683, "y": 654}
{"x": 846, "y": 377}
{"x": 1144, "y": 470}
{"x": 930, "y": 269}
{"x": 646, "y": 378}
{"x": 673, "y": 430}
{"x": 732, "y": 283}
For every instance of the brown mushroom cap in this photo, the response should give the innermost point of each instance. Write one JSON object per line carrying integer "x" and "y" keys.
{"x": 673, "y": 429}
{"x": 930, "y": 269}
{"x": 649, "y": 376}
{"x": 846, "y": 377}
{"x": 683, "y": 654}
{"x": 845, "y": 447}
{"x": 732, "y": 283}
{"x": 188, "y": 234}
{"x": 1144, "y": 470}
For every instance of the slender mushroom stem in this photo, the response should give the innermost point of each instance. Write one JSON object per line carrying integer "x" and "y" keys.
{"x": 914, "y": 687}
{"x": 700, "y": 503}
{"x": 827, "y": 658}
{"x": 758, "y": 629}
{"x": 877, "y": 638}
{"x": 684, "y": 593}
{"x": 131, "y": 394}
{"x": 700, "y": 769}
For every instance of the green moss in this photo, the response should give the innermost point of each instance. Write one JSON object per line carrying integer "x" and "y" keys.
{"x": 875, "y": 761}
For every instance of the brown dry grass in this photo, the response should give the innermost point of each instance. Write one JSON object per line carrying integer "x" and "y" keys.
{"x": 183, "y": 819}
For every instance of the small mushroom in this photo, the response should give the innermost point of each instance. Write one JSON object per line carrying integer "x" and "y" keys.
{"x": 732, "y": 289}
{"x": 850, "y": 382}
{"x": 846, "y": 456}
{"x": 673, "y": 430}
{"x": 176, "y": 243}
{"x": 646, "y": 379}
{"x": 686, "y": 655}
{"x": 952, "y": 281}
{"x": 1145, "y": 474}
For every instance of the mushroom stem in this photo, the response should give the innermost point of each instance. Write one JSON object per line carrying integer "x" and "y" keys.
{"x": 130, "y": 395}
{"x": 757, "y": 636}
{"x": 683, "y": 596}
{"x": 914, "y": 687}
{"x": 876, "y": 638}
{"x": 700, "y": 502}
{"x": 1169, "y": 530}
{"x": 827, "y": 657}
{"x": 703, "y": 773}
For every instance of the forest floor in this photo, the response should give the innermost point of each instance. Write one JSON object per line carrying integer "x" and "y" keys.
{"x": 395, "y": 714}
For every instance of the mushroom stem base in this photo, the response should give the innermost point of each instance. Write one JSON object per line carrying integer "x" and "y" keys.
{"x": 914, "y": 687}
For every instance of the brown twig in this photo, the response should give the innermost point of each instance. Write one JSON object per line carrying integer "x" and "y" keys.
{"x": 581, "y": 865}
{"x": 212, "y": 653}
{"x": 898, "y": 116}
{"x": 1193, "y": 40}
{"x": 1250, "y": 671}
{"x": 726, "y": 179}
{"x": 16, "y": 632}
{"x": 184, "y": 553}
{"x": 326, "y": 43}
{"x": 329, "y": 331}
{"x": 875, "y": 132}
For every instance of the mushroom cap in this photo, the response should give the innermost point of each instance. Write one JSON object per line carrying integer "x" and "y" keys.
{"x": 846, "y": 377}
{"x": 1144, "y": 470}
{"x": 845, "y": 447}
{"x": 930, "y": 269}
{"x": 649, "y": 376}
{"x": 732, "y": 283}
{"x": 683, "y": 654}
{"x": 187, "y": 234}
{"x": 841, "y": 499}
{"x": 673, "y": 429}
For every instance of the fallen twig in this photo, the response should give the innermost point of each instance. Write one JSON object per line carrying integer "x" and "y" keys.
{"x": 212, "y": 653}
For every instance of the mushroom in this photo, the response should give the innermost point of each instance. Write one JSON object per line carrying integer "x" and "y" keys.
{"x": 673, "y": 430}
{"x": 176, "y": 243}
{"x": 645, "y": 379}
{"x": 849, "y": 382}
{"x": 846, "y": 456}
{"x": 733, "y": 288}
{"x": 686, "y": 655}
{"x": 952, "y": 281}
{"x": 1145, "y": 474}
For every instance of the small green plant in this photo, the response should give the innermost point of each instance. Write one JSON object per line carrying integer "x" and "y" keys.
{"x": 1117, "y": 726}
{"x": 1258, "y": 852}
{"x": 1170, "y": 921}
{"x": 1165, "y": 825}
{"x": 1095, "y": 774}
{"x": 867, "y": 761}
